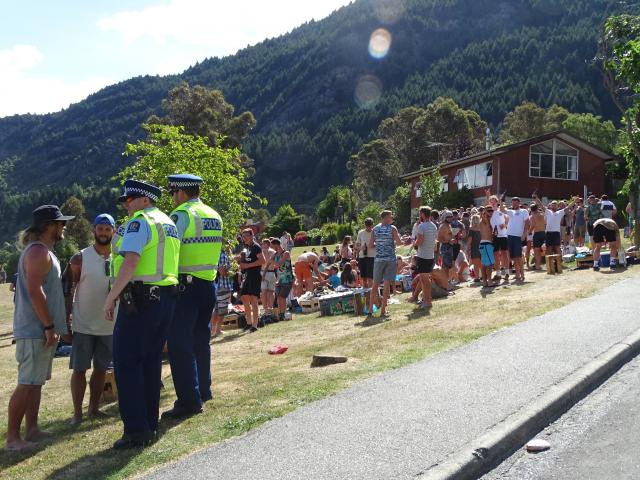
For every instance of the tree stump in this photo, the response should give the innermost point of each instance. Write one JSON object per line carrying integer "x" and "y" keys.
{"x": 326, "y": 359}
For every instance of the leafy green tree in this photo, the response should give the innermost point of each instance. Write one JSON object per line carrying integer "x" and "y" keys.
{"x": 285, "y": 219}
{"x": 79, "y": 229}
{"x": 338, "y": 197}
{"x": 619, "y": 60}
{"x": 169, "y": 150}
{"x": 371, "y": 210}
{"x": 400, "y": 204}
{"x": 525, "y": 121}
{"x": 593, "y": 129}
{"x": 430, "y": 187}
{"x": 375, "y": 169}
{"x": 261, "y": 215}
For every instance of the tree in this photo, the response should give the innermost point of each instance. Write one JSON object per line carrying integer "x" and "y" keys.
{"x": 205, "y": 113}
{"x": 593, "y": 129}
{"x": 400, "y": 204}
{"x": 261, "y": 215}
{"x": 79, "y": 229}
{"x": 375, "y": 170}
{"x": 371, "y": 210}
{"x": 525, "y": 121}
{"x": 430, "y": 187}
{"x": 339, "y": 201}
{"x": 168, "y": 150}
{"x": 285, "y": 219}
{"x": 619, "y": 61}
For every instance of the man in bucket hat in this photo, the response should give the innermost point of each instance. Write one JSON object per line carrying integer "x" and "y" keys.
{"x": 146, "y": 275}
{"x": 39, "y": 317}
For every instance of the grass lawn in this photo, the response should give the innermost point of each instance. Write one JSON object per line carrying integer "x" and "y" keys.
{"x": 252, "y": 387}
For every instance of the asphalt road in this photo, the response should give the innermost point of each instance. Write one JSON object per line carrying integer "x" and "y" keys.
{"x": 595, "y": 440}
{"x": 397, "y": 424}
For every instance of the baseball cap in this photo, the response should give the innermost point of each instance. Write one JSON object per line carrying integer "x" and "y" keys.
{"x": 104, "y": 219}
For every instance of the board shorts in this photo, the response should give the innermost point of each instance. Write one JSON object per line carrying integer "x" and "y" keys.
{"x": 85, "y": 348}
{"x": 486, "y": 254}
{"x": 446, "y": 250}
{"x": 34, "y": 361}
{"x": 283, "y": 290}
{"x": 365, "y": 265}
{"x": 424, "y": 265}
{"x": 384, "y": 270}
{"x": 602, "y": 234}
{"x": 552, "y": 239}
{"x": 303, "y": 271}
{"x": 251, "y": 284}
{"x": 268, "y": 281}
{"x": 579, "y": 230}
{"x": 223, "y": 297}
{"x": 515, "y": 246}
{"x": 500, "y": 244}
{"x": 538, "y": 239}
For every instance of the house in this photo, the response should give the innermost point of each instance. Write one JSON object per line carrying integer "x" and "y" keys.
{"x": 556, "y": 165}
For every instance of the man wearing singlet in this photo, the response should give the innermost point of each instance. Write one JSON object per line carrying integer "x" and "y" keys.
{"x": 384, "y": 239}
{"x": 92, "y": 332}
{"x": 39, "y": 317}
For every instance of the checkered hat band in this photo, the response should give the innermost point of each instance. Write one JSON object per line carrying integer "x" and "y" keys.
{"x": 184, "y": 183}
{"x": 202, "y": 240}
{"x": 141, "y": 191}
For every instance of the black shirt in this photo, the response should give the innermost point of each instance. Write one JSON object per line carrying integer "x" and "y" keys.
{"x": 249, "y": 255}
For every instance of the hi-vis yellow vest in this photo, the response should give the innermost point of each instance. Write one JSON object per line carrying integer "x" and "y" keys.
{"x": 158, "y": 263}
{"x": 201, "y": 242}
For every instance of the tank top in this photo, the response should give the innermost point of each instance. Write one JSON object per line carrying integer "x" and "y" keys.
{"x": 285, "y": 272}
{"x": 25, "y": 322}
{"x": 90, "y": 294}
{"x": 385, "y": 245}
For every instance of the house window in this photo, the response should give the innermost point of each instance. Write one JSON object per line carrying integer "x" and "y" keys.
{"x": 444, "y": 180}
{"x": 418, "y": 189}
{"x": 553, "y": 159}
{"x": 475, "y": 176}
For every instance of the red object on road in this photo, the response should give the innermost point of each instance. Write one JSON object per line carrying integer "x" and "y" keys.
{"x": 277, "y": 350}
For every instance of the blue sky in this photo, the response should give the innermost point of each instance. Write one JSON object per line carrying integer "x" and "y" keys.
{"x": 53, "y": 53}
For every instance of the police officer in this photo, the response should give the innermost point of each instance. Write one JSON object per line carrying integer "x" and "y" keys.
{"x": 200, "y": 231}
{"x": 146, "y": 275}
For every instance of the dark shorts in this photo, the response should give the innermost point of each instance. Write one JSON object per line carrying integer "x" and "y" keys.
{"x": 86, "y": 348}
{"x": 424, "y": 265}
{"x": 366, "y": 267}
{"x": 446, "y": 250}
{"x": 456, "y": 250}
{"x": 515, "y": 246}
{"x": 283, "y": 290}
{"x": 251, "y": 284}
{"x": 602, "y": 234}
{"x": 500, "y": 244}
{"x": 552, "y": 239}
{"x": 475, "y": 250}
{"x": 538, "y": 239}
{"x": 590, "y": 229}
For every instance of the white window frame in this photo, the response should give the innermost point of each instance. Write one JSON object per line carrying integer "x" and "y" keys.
{"x": 553, "y": 161}
{"x": 418, "y": 190}
{"x": 472, "y": 183}
{"x": 444, "y": 183}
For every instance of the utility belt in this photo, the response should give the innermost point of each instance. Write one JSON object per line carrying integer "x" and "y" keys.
{"x": 184, "y": 280}
{"x": 138, "y": 296}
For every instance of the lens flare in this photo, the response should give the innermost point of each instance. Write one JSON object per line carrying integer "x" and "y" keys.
{"x": 368, "y": 91}
{"x": 388, "y": 11}
{"x": 379, "y": 43}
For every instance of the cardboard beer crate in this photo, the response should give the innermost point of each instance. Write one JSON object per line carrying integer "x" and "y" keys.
{"x": 337, "y": 305}
{"x": 110, "y": 390}
{"x": 230, "y": 321}
{"x": 309, "y": 305}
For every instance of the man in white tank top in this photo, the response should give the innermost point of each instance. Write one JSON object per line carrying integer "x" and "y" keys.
{"x": 92, "y": 332}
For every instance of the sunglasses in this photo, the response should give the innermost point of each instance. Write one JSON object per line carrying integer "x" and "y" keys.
{"x": 107, "y": 267}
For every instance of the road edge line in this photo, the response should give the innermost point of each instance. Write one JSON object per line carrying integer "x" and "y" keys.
{"x": 482, "y": 454}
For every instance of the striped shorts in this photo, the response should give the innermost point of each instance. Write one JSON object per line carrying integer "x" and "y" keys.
{"x": 222, "y": 301}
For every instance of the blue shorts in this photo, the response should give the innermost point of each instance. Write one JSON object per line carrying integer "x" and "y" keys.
{"x": 486, "y": 254}
{"x": 446, "y": 250}
{"x": 515, "y": 246}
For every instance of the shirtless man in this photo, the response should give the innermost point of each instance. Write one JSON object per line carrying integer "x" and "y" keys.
{"x": 445, "y": 238}
{"x": 306, "y": 265}
{"x": 486, "y": 246}
{"x": 538, "y": 226}
{"x": 605, "y": 230}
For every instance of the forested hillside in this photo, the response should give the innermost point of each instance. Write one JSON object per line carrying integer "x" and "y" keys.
{"x": 488, "y": 55}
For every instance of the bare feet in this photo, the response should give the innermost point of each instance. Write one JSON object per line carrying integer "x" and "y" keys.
{"x": 18, "y": 445}
{"x": 75, "y": 420}
{"x": 97, "y": 414}
{"x": 37, "y": 435}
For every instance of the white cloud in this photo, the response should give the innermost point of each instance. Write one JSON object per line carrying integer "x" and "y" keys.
{"x": 23, "y": 92}
{"x": 224, "y": 27}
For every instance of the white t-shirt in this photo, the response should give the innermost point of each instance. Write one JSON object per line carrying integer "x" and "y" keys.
{"x": 607, "y": 206}
{"x": 517, "y": 219}
{"x": 498, "y": 218}
{"x": 363, "y": 238}
{"x": 553, "y": 219}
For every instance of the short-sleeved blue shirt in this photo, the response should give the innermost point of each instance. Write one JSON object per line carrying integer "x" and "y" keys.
{"x": 181, "y": 219}
{"x": 136, "y": 236}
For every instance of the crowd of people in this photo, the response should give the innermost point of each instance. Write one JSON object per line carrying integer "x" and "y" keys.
{"x": 168, "y": 282}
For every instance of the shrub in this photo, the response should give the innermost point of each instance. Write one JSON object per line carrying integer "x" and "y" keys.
{"x": 315, "y": 236}
{"x": 329, "y": 233}
{"x": 301, "y": 239}
{"x": 344, "y": 230}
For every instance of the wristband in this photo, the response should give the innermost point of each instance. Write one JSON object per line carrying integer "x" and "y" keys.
{"x": 49, "y": 327}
